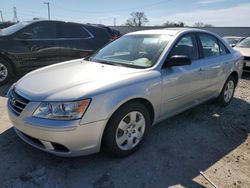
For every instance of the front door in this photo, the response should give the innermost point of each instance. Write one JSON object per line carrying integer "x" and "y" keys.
{"x": 36, "y": 45}
{"x": 182, "y": 86}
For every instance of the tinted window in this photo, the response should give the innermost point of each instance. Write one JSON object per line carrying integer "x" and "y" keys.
{"x": 209, "y": 45}
{"x": 186, "y": 46}
{"x": 70, "y": 30}
{"x": 41, "y": 30}
{"x": 99, "y": 33}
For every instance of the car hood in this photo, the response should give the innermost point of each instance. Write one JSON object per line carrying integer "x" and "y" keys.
{"x": 243, "y": 51}
{"x": 72, "y": 80}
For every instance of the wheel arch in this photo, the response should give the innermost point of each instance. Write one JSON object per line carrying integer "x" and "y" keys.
{"x": 146, "y": 103}
{"x": 141, "y": 100}
{"x": 6, "y": 58}
{"x": 235, "y": 75}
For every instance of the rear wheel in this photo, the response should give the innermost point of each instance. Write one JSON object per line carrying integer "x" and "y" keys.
{"x": 5, "y": 71}
{"x": 227, "y": 92}
{"x": 126, "y": 129}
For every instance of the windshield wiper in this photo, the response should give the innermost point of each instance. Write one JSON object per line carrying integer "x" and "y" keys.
{"x": 117, "y": 64}
{"x": 109, "y": 63}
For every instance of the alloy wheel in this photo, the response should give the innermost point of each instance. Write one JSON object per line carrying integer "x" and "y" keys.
{"x": 3, "y": 72}
{"x": 130, "y": 130}
{"x": 229, "y": 90}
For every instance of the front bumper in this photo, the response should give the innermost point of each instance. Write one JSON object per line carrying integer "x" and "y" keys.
{"x": 62, "y": 138}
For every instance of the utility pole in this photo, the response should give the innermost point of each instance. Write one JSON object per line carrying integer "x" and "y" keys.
{"x": 47, "y": 3}
{"x": 1, "y": 15}
{"x": 15, "y": 19}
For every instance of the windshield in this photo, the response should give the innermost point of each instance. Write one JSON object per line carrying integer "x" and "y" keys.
{"x": 244, "y": 43}
{"x": 139, "y": 51}
{"x": 14, "y": 28}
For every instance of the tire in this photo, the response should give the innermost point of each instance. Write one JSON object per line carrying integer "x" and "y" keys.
{"x": 5, "y": 71}
{"x": 227, "y": 92}
{"x": 127, "y": 129}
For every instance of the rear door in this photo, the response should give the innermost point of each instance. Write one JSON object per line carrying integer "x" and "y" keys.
{"x": 74, "y": 40}
{"x": 182, "y": 86}
{"x": 216, "y": 59}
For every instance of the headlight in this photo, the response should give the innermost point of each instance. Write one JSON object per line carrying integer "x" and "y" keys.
{"x": 62, "y": 110}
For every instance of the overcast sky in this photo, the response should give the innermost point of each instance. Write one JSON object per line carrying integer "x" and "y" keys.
{"x": 215, "y": 12}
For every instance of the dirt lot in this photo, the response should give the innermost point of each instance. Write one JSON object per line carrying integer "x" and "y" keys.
{"x": 208, "y": 138}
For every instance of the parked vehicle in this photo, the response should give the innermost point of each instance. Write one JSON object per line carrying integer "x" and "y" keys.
{"x": 113, "y": 33}
{"x": 116, "y": 34}
{"x": 233, "y": 40}
{"x": 28, "y": 45}
{"x": 244, "y": 48}
{"x": 6, "y": 24}
{"x": 112, "y": 98}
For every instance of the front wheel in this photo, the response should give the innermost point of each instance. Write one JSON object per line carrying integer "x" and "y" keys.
{"x": 126, "y": 129}
{"x": 227, "y": 92}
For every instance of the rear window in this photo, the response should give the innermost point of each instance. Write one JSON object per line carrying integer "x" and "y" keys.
{"x": 223, "y": 49}
{"x": 70, "y": 30}
{"x": 99, "y": 33}
{"x": 209, "y": 45}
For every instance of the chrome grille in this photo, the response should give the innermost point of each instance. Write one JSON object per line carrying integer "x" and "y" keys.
{"x": 16, "y": 102}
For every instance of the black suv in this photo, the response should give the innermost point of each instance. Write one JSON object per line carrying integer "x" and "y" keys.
{"x": 28, "y": 45}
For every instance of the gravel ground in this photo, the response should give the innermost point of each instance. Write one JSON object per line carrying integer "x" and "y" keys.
{"x": 207, "y": 138}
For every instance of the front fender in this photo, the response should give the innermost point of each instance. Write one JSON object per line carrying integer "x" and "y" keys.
{"x": 104, "y": 105}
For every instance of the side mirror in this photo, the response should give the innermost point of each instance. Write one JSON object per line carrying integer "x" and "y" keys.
{"x": 26, "y": 35}
{"x": 232, "y": 45}
{"x": 177, "y": 60}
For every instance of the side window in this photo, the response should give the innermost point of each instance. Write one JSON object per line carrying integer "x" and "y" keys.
{"x": 209, "y": 45}
{"x": 70, "y": 30}
{"x": 223, "y": 49}
{"x": 186, "y": 46}
{"x": 40, "y": 30}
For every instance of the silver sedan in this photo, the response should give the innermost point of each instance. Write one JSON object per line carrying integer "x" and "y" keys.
{"x": 112, "y": 98}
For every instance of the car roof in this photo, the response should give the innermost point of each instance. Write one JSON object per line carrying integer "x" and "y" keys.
{"x": 41, "y": 20}
{"x": 58, "y": 21}
{"x": 167, "y": 31}
{"x": 93, "y": 26}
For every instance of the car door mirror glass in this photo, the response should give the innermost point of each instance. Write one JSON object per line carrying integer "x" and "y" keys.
{"x": 177, "y": 60}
